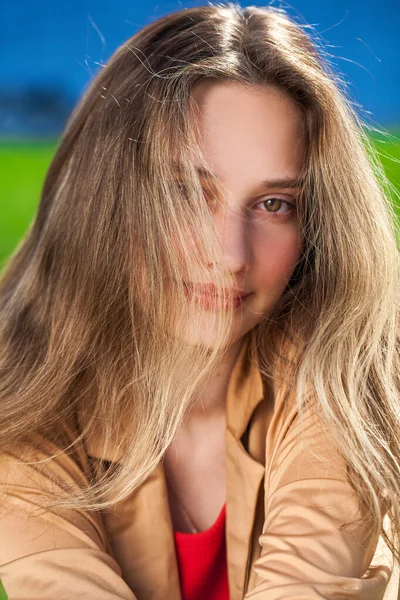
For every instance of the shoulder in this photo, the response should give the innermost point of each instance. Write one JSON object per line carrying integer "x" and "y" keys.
{"x": 46, "y": 467}
{"x": 48, "y": 551}
{"x": 57, "y": 453}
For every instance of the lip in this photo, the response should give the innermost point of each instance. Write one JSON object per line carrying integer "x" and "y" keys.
{"x": 206, "y": 296}
{"x": 211, "y": 290}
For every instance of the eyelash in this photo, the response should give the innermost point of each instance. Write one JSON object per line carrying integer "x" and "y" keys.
{"x": 276, "y": 215}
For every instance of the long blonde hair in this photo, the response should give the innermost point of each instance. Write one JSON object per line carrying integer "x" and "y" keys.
{"x": 91, "y": 298}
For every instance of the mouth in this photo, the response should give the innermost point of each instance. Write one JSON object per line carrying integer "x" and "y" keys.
{"x": 206, "y": 296}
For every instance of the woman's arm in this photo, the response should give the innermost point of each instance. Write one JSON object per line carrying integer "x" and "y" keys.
{"x": 307, "y": 551}
{"x": 59, "y": 555}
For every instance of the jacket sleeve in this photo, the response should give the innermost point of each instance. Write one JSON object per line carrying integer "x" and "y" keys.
{"x": 315, "y": 543}
{"x": 58, "y": 554}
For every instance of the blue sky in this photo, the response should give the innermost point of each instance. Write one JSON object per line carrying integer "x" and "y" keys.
{"x": 63, "y": 44}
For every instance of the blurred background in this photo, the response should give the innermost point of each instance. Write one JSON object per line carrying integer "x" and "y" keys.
{"x": 50, "y": 51}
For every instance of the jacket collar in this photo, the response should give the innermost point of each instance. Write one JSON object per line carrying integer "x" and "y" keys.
{"x": 245, "y": 388}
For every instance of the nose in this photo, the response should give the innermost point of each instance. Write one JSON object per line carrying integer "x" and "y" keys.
{"x": 232, "y": 230}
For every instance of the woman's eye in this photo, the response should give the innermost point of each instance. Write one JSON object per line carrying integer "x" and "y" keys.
{"x": 277, "y": 208}
{"x": 274, "y": 206}
{"x": 208, "y": 195}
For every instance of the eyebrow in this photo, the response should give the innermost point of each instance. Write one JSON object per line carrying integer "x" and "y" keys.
{"x": 281, "y": 182}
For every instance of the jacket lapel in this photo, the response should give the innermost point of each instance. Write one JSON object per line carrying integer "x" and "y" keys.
{"x": 142, "y": 540}
{"x": 139, "y": 531}
{"x": 244, "y": 477}
{"x": 244, "y": 473}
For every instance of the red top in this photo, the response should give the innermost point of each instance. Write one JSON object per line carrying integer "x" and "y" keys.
{"x": 202, "y": 562}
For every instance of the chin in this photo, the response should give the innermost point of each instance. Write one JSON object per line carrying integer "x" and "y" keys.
{"x": 204, "y": 333}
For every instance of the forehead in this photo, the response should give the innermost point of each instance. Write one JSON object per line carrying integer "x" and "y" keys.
{"x": 247, "y": 131}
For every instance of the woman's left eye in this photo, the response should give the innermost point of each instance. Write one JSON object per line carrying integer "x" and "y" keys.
{"x": 273, "y": 206}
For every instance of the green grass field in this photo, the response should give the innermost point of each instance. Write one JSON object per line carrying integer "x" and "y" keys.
{"x": 23, "y": 168}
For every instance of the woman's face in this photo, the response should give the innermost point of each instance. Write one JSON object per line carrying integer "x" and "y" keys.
{"x": 252, "y": 139}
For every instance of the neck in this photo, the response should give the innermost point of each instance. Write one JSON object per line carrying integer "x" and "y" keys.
{"x": 211, "y": 403}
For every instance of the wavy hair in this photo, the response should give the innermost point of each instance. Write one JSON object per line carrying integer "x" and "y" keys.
{"x": 91, "y": 300}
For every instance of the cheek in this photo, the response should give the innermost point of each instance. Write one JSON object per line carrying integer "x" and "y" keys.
{"x": 184, "y": 249}
{"x": 190, "y": 252}
{"x": 276, "y": 256}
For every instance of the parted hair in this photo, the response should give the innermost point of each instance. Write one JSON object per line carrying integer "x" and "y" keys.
{"x": 91, "y": 300}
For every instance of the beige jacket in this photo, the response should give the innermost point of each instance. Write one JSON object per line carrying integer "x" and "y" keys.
{"x": 287, "y": 499}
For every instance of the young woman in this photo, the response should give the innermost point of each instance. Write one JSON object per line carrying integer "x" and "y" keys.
{"x": 199, "y": 334}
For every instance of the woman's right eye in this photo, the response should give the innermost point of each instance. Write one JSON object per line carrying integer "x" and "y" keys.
{"x": 207, "y": 194}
